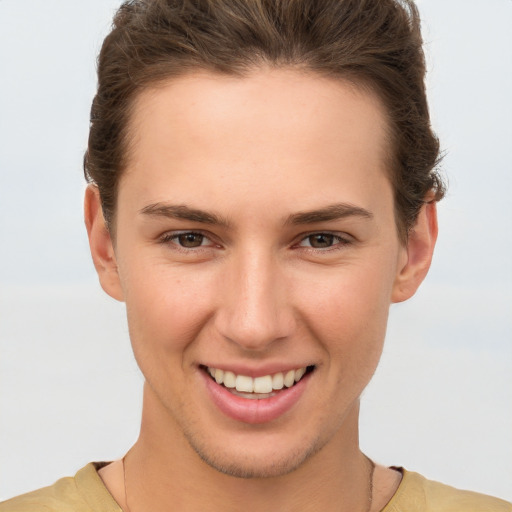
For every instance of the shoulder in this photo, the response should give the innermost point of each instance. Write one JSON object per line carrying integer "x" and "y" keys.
{"x": 417, "y": 494}
{"x": 84, "y": 492}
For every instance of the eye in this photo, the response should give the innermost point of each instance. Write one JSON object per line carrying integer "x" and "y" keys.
{"x": 323, "y": 241}
{"x": 186, "y": 240}
{"x": 190, "y": 240}
{"x": 320, "y": 240}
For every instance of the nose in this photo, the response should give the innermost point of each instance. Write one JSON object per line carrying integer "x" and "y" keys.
{"x": 254, "y": 304}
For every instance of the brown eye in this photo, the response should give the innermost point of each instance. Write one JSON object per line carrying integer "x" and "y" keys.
{"x": 321, "y": 240}
{"x": 190, "y": 240}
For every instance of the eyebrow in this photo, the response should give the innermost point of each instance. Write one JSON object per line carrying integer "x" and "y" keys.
{"x": 184, "y": 212}
{"x": 331, "y": 212}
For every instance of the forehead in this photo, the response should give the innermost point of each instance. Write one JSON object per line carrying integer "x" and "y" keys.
{"x": 255, "y": 133}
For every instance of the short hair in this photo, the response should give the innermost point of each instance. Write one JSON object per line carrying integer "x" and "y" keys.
{"x": 373, "y": 44}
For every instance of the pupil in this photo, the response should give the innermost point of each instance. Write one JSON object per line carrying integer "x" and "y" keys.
{"x": 321, "y": 241}
{"x": 190, "y": 240}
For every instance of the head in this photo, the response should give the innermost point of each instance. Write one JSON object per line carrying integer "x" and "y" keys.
{"x": 377, "y": 46}
{"x": 266, "y": 185}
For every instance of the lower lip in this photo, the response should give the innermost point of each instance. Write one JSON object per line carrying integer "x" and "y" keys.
{"x": 254, "y": 411}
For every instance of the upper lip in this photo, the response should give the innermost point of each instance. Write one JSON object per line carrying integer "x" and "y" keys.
{"x": 256, "y": 371}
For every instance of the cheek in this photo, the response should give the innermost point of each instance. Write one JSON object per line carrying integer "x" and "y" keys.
{"x": 166, "y": 309}
{"x": 348, "y": 314}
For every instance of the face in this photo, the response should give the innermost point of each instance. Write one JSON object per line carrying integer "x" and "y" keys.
{"x": 257, "y": 253}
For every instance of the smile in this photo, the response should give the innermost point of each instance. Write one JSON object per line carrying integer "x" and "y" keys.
{"x": 257, "y": 387}
{"x": 256, "y": 400}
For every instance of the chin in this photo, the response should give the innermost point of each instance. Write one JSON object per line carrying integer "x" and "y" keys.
{"x": 255, "y": 462}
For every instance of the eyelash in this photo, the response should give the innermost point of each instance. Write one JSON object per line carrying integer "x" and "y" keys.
{"x": 338, "y": 242}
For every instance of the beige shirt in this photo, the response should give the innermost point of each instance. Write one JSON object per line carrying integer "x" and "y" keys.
{"x": 85, "y": 492}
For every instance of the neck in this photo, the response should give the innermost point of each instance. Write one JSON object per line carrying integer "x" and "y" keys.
{"x": 162, "y": 468}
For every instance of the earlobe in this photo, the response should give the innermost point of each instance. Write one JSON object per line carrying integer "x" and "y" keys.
{"x": 100, "y": 243}
{"x": 419, "y": 251}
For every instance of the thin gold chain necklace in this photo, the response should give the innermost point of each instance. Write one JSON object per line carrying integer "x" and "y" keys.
{"x": 370, "y": 486}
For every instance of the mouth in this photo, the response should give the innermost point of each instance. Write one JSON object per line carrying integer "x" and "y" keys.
{"x": 257, "y": 388}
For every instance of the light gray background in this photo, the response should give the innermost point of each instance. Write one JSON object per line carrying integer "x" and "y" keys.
{"x": 441, "y": 402}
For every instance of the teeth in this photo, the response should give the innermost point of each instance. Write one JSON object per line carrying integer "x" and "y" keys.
{"x": 244, "y": 383}
{"x": 252, "y": 396}
{"x": 278, "y": 381}
{"x": 263, "y": 384}
{"x": 260, "y": 385}
{"x": 289, "y": 378}
{"x": 229, "y": 379}
{"x": 299, "y": 374}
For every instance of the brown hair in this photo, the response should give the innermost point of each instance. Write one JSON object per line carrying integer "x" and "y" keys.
{"x": 372, "y": 43}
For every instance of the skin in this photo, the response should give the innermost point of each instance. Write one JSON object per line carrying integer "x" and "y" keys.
{"x": 259, "y": 292}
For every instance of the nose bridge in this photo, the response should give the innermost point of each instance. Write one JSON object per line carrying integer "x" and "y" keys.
{"x": 255, "y": 310}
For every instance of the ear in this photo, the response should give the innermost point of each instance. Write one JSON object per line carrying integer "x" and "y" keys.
{"x": 418, "y": 254}
{"x": 100, "y": 243}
